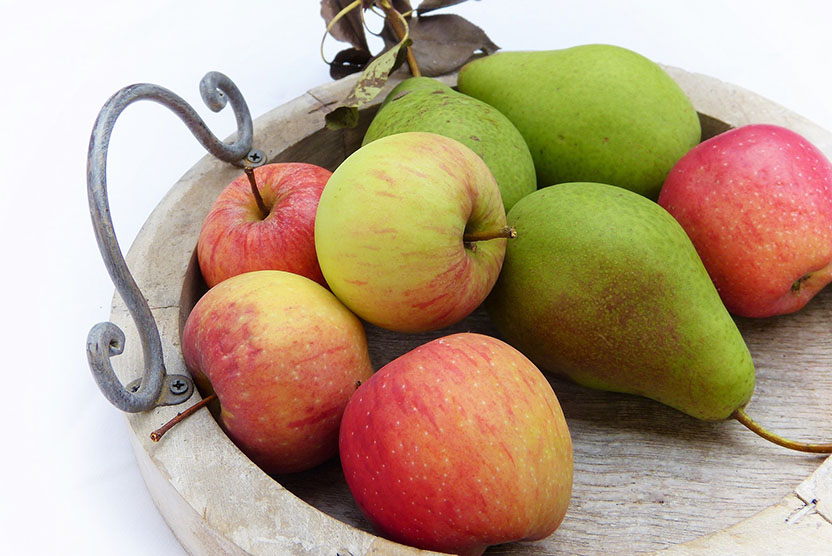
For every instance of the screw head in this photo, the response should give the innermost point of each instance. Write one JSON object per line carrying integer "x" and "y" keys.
{"x": 256, "y": 158}
{"x": 178, "y": 387}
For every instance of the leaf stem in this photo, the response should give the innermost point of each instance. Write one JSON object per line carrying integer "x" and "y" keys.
{"x": 332, "y": 23}
{"x": 813, "y": 448}
{"x": 399, "y": 24}
{"x": 264, "y": 212}
{"x": 157, "y": 435}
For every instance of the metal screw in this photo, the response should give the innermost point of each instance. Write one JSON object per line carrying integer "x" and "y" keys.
{"x": 178, "y": 387}
{"x": 255, "y": 157}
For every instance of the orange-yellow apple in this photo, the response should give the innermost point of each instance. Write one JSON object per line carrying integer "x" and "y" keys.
{"x": 397, "y": 231}
{"x": 458, "y": 445}
{"x": 757, "y": 203}
{"x": 283, "y": 356}
{"x": 237, "y": 237}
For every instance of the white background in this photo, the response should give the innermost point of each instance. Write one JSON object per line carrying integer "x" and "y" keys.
{"x": 68, "y": 479}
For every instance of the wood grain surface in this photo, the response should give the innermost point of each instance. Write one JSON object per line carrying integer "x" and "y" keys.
{"x": 647, "y": 477}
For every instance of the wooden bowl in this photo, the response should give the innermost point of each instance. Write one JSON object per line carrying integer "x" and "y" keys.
{"x": 647, "y": 478}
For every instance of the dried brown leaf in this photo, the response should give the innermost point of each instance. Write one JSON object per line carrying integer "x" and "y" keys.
{"x": 348, "y": 61}
{"x": 350, "y": 28}
{"x": 402, "y": 6}
{"x": 443, "y": 43}
{"x": 430, "y": 5}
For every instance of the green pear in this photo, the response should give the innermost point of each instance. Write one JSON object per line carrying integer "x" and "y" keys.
{"x": 425, "y": 104}
{"x": 603, "y": 286}
{"x": 595, "y": 113}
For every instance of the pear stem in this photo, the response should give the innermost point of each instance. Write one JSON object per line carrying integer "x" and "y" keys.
{"x": 264, "y": 212}
{"x": 507, "y": 232}
{"x": 741, "y": 416}
{"x": 157, "y": 435}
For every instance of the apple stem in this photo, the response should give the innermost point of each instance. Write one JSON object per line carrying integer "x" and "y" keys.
{"x": 507, "y": 232}
{"x": 813, "y": 448}
{"x": 157, "y": 435}
{"x": 264, "y": 212}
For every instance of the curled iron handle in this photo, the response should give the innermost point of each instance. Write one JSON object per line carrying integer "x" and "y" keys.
{"x": 105, "y": 339}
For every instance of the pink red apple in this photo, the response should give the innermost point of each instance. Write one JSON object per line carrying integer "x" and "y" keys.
{"x": 757, "y": 203}
{"x": 396, "y": 231}
{"x": 236, "y": 237}
{"x": 283, "y": 356}
{"x": 458, "y": 445}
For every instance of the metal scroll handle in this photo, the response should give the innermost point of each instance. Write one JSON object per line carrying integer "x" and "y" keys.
{"x": 106, "y": 339}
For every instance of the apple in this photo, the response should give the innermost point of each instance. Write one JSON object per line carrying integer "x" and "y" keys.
{"x": 283, "y": 356}
{"x": 410, "y": 231}
{"x": 457, "y": 445}
{"x": 757, "y": 203}
{"x": 237, "y": 236}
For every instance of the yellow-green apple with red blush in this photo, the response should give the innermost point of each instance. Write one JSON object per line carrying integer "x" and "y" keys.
{"x": 283, "y": 356}
{"x": 757, "y": 203}
{"x": 239, "y": 236}
{"x": 457, "y": 445}
{"x": 410, "y": 231}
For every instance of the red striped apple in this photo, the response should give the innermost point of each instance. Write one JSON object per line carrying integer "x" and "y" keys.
{"x": 403, "y": 231}
{"x": 458, "y": 445}
{"x": 757, "y": 203}
{"x": 283, "y": 356}
{"x": 239, "y": 236}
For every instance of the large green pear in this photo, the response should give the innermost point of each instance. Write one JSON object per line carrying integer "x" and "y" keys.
{"x": 597, "y": 113}
{"x": 426, "y": 104}
{"x": 603, "y": 286}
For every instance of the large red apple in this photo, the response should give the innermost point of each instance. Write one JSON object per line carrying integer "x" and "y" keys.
{"x": 757, "y": 203}
{"x": 283, "y": 356}
{"x": 237, "y": 237}
{"x": 458, "y": 445}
